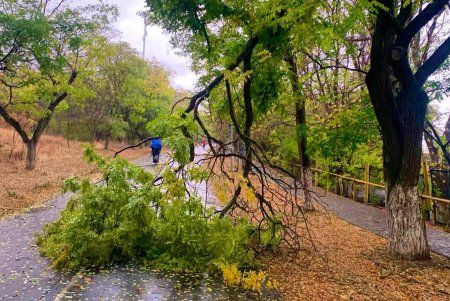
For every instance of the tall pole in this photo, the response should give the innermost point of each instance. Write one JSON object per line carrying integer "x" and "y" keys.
{"x": 144, "y": 38}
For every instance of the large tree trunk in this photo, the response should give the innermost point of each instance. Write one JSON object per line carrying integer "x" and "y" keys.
{"x": 31, "y": 155}
{"x": 406, "y": 229}
{"x": 400, "y": 108}
{"x": 402, "y": 150}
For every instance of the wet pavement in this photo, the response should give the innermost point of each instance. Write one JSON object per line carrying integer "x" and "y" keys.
{"x": 131, "y": 282}
{"x": 25, "y": 275}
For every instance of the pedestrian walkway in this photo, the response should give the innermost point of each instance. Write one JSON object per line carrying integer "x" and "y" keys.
{"x": 374, "y": 220}
{"x": 25, "y": 275}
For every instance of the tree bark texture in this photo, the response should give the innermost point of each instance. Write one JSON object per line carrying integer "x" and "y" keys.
{"x": 400, "y": 105}
{"x": 406, "y": 230}
{"x": 31, "y": 155}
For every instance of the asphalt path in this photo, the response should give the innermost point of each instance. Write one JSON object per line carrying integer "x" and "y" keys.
{"x": 26, "y": 275}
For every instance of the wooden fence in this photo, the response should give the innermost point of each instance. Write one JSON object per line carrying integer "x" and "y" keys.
{"x": 426, "y": 196}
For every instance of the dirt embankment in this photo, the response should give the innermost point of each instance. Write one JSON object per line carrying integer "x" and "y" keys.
{"x": 57, "y": 160}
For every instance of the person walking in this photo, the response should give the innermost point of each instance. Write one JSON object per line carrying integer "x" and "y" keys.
{"x": 156, "y": 146}
{"x": 204, "y": 143}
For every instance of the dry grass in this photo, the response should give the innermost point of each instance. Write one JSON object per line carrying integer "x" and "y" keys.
{"x": 56, "y": 160}
{"x": 349, "y": 263}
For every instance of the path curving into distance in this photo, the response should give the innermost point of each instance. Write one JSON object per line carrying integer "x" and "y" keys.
{"x": 25, "y": 275}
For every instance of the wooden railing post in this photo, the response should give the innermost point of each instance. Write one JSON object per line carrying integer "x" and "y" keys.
{"x": 426, "y": 196}
{"x": 354, "y": 190}
{"x": 427, "y": 190}
{"x": 366, "y": 185}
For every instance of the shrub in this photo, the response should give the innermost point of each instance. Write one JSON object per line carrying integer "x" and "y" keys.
{"x": 129, "y": 217}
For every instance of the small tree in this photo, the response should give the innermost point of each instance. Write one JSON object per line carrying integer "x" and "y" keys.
{"x": 128, "y": 92}
{"x": 43, "y": 50}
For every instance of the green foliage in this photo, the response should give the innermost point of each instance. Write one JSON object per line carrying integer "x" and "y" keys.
{"x": 187, "y": 14}
{"x": 188, "y": 19}
{"x": 341, "y": 127}
{"x": 344, "y": 138}
{"x": 267, "y": 84}
{"x": 130, "y": 218}
{"x": 170, "y": 128}
{"x": 271, "y": 235}
{"x": 123, "y": 92}
{"x": 42, "y": 50}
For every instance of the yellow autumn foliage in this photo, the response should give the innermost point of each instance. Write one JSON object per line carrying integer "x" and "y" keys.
{"x": 230, "y": 274}
{"x": 221, "y": 194}
{"x": 250, "y": 280}
{"x": 248, "y": 193}
{"x": 253, "y": 280}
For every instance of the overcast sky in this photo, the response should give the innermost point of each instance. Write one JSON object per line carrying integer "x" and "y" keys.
{"x": 158, "y": 47}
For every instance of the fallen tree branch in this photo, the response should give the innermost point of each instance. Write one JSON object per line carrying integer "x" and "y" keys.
{"x": 134, "y": 146}
{"x": 248, "y": 50}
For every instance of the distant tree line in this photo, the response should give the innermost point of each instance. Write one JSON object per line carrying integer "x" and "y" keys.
{"x": 60, "y": 72}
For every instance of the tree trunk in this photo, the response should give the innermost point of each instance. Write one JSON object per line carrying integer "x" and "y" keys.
{"x": 31, "y": 155}
{"x": 68, "y": 132}
{"x": 402, "y": 159}
{"x": 106, "y": 142}
{"x": 406, "y": 229}
{"x": 307, "y": 188}
{"x": 303, "y": 158}
{"x": 400, "y": 108}
{"x": 305, "y": 174}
